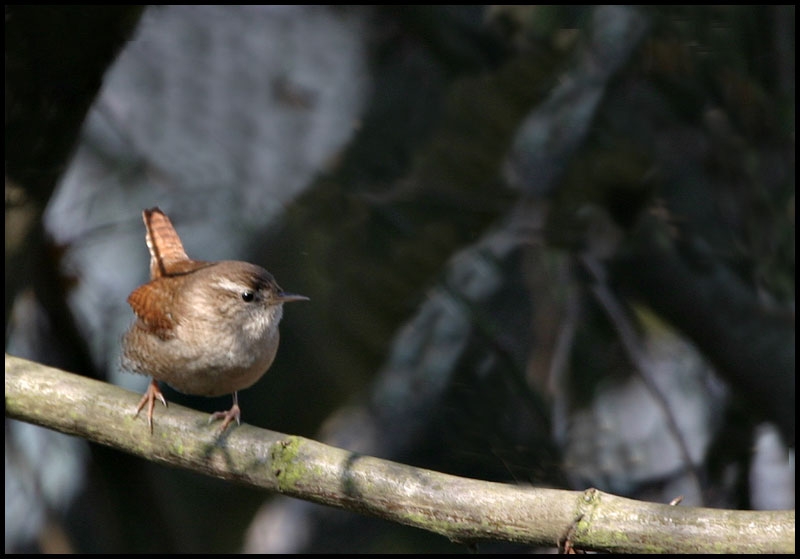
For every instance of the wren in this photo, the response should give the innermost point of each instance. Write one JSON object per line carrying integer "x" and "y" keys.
{"x": 204, "y": 328}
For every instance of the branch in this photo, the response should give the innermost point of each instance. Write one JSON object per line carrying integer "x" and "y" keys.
{"x": 461, "y": 509}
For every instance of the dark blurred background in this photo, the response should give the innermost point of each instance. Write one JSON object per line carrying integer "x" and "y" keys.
{"x": 543, "y": 245}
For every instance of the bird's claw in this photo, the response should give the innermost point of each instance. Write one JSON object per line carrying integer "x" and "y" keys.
{"x": 150, "y": 396}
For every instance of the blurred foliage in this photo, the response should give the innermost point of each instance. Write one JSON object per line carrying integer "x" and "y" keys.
{"x": 418, "y": 181}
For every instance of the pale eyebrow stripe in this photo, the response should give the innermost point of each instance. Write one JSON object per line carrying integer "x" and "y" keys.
{"x": 233, "y": 286}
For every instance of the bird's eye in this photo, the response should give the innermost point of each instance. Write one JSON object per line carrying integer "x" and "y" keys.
{"x": 248, "y": 296}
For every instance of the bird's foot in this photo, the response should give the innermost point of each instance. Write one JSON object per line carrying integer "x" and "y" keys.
{"x": 152, "y": 394}
{"x": 228, "y": 416}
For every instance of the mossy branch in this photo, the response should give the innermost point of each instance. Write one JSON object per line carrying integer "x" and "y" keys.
{"x": 461, "y": 509}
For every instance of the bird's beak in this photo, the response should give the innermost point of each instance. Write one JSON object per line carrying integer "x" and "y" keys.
{"x": 289, "y": 297}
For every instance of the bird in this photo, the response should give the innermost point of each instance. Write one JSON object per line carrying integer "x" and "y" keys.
{"x": 204, "y": 328}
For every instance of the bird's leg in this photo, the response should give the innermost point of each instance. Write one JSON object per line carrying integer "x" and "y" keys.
{"x": 230, "y": 415}
{"x": 152, "y": 394}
